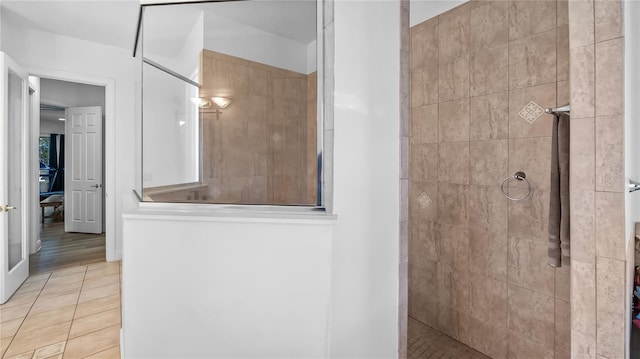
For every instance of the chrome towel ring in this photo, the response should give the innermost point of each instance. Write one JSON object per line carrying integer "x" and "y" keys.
{"x": 520, "y": 176}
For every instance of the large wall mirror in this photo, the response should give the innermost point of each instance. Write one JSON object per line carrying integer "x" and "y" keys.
{"x": 230, "y": 103}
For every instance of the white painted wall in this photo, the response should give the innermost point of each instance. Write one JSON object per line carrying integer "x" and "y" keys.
{"x": 364, "y": 306}
{"x": 51, "y": 127}
{"x": 236, "y": 39}
{"x": 55, "y": 56}
{"x": 210, "y": 285}
{"x": 422, "y": 10}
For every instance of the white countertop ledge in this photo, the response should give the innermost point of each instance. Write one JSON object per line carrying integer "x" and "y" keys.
{"x": 187, "y": 212}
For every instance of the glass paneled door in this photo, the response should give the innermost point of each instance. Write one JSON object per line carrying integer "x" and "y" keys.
{"x": 14, "y": 257}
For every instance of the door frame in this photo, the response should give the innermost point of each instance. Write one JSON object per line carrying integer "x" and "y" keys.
{"x": 109, "y": 146}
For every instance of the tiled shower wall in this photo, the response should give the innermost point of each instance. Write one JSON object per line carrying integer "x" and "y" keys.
{"x": 480, "y": 74}
{"x": 597, "y": 180}
{"x": 257, "y": 150}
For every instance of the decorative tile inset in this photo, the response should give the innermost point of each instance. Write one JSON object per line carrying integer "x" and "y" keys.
{"x": 50, "y": 350}
{"x": 531, "y": 112}
{"x": 276, "y": 137}
{"x": 424, "y": 200}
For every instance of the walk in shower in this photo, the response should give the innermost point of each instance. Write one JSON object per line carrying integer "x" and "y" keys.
{"x": 482, "y": 75}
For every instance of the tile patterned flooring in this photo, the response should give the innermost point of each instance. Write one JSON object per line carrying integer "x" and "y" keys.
{"x": 425, "y": 342}
{"x": 73, "y": 313}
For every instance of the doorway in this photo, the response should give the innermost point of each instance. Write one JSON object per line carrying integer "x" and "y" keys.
{"x": 56, "y": 247}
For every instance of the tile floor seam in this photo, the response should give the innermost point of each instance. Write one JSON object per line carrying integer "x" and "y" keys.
{"x": 102, "y": 351}
{"x": 75, "y": 309}
{"x": 25, "y": 317}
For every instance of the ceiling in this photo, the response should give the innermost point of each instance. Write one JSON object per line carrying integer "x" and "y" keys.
{"x": 107, "y": 22}
{"x": 114, "y": 22}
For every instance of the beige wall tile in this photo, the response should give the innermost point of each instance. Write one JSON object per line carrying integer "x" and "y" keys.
{"x": 610, "y": 154}
{"x": 532, "y": 60}
{"x": 531, "y": 316}
{"x": 581, "y": 25}
{"x": 611, "y": 303}
{"x": 453, "y": 79}
{"x": 564, "y": 93}
{"x": 608, "y": 20}
{"x": 563, "y": 12}
{"x": 486, "y": 338}
{"x": 424, "y": 86}
{"x": 453, "y": 204}
{"x": 610, "y": 239}
{"x": 453, "y": 246}
{"x": 489, "y": 69}
{"x": 522, "y": 348}
{"x": 453, "y": 35}
{"x": 453, "y": 300}
{"x": 563, "y": 326}
{"x": 583, "y": 345}
{"x": 528, "y": 18}
{"x": 423, "y": 201}
{"x": 423, "y": 295}
{"x": 533, "y": 157}
{"x": 488, "y": 232}
{"x": 488, "y": 301}
{"x": 424, "y": 162}
{"x": 583, "y": 303}
{"x": 453, "y": 121}
{"x": 583, "y": 235}
{"x": 424, "y": 124}
{"x": 609, "y": 78}
{"x": 563, "y": 284}
{"x": 453, "y": 162}
{"x": 530, "y": 218}
{"x": 424, "y": 45}
{"x": 527, "y": 266}
{"x": 490, "y": 119}
{"x": 423, "y": 242}
{"x": 544, "y": 96}
{"x": 489, "y": 25}
{"x": 562, "y": 51}
{"x": 583, "y": 154}
{"x": 488, "y": 162}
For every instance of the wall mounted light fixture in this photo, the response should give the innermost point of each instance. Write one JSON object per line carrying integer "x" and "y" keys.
{"x": 221, "y": 102}
{"x": 201, "y": 102}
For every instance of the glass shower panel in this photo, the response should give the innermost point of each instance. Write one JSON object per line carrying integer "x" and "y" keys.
{"x": 170, "y": 131}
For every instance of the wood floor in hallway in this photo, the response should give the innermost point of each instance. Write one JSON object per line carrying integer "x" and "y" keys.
{"x": 61, "y": 249}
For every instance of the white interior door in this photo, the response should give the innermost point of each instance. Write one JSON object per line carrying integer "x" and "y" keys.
{"x": 14, "y": 257}
{"x": 83, "y": 173}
